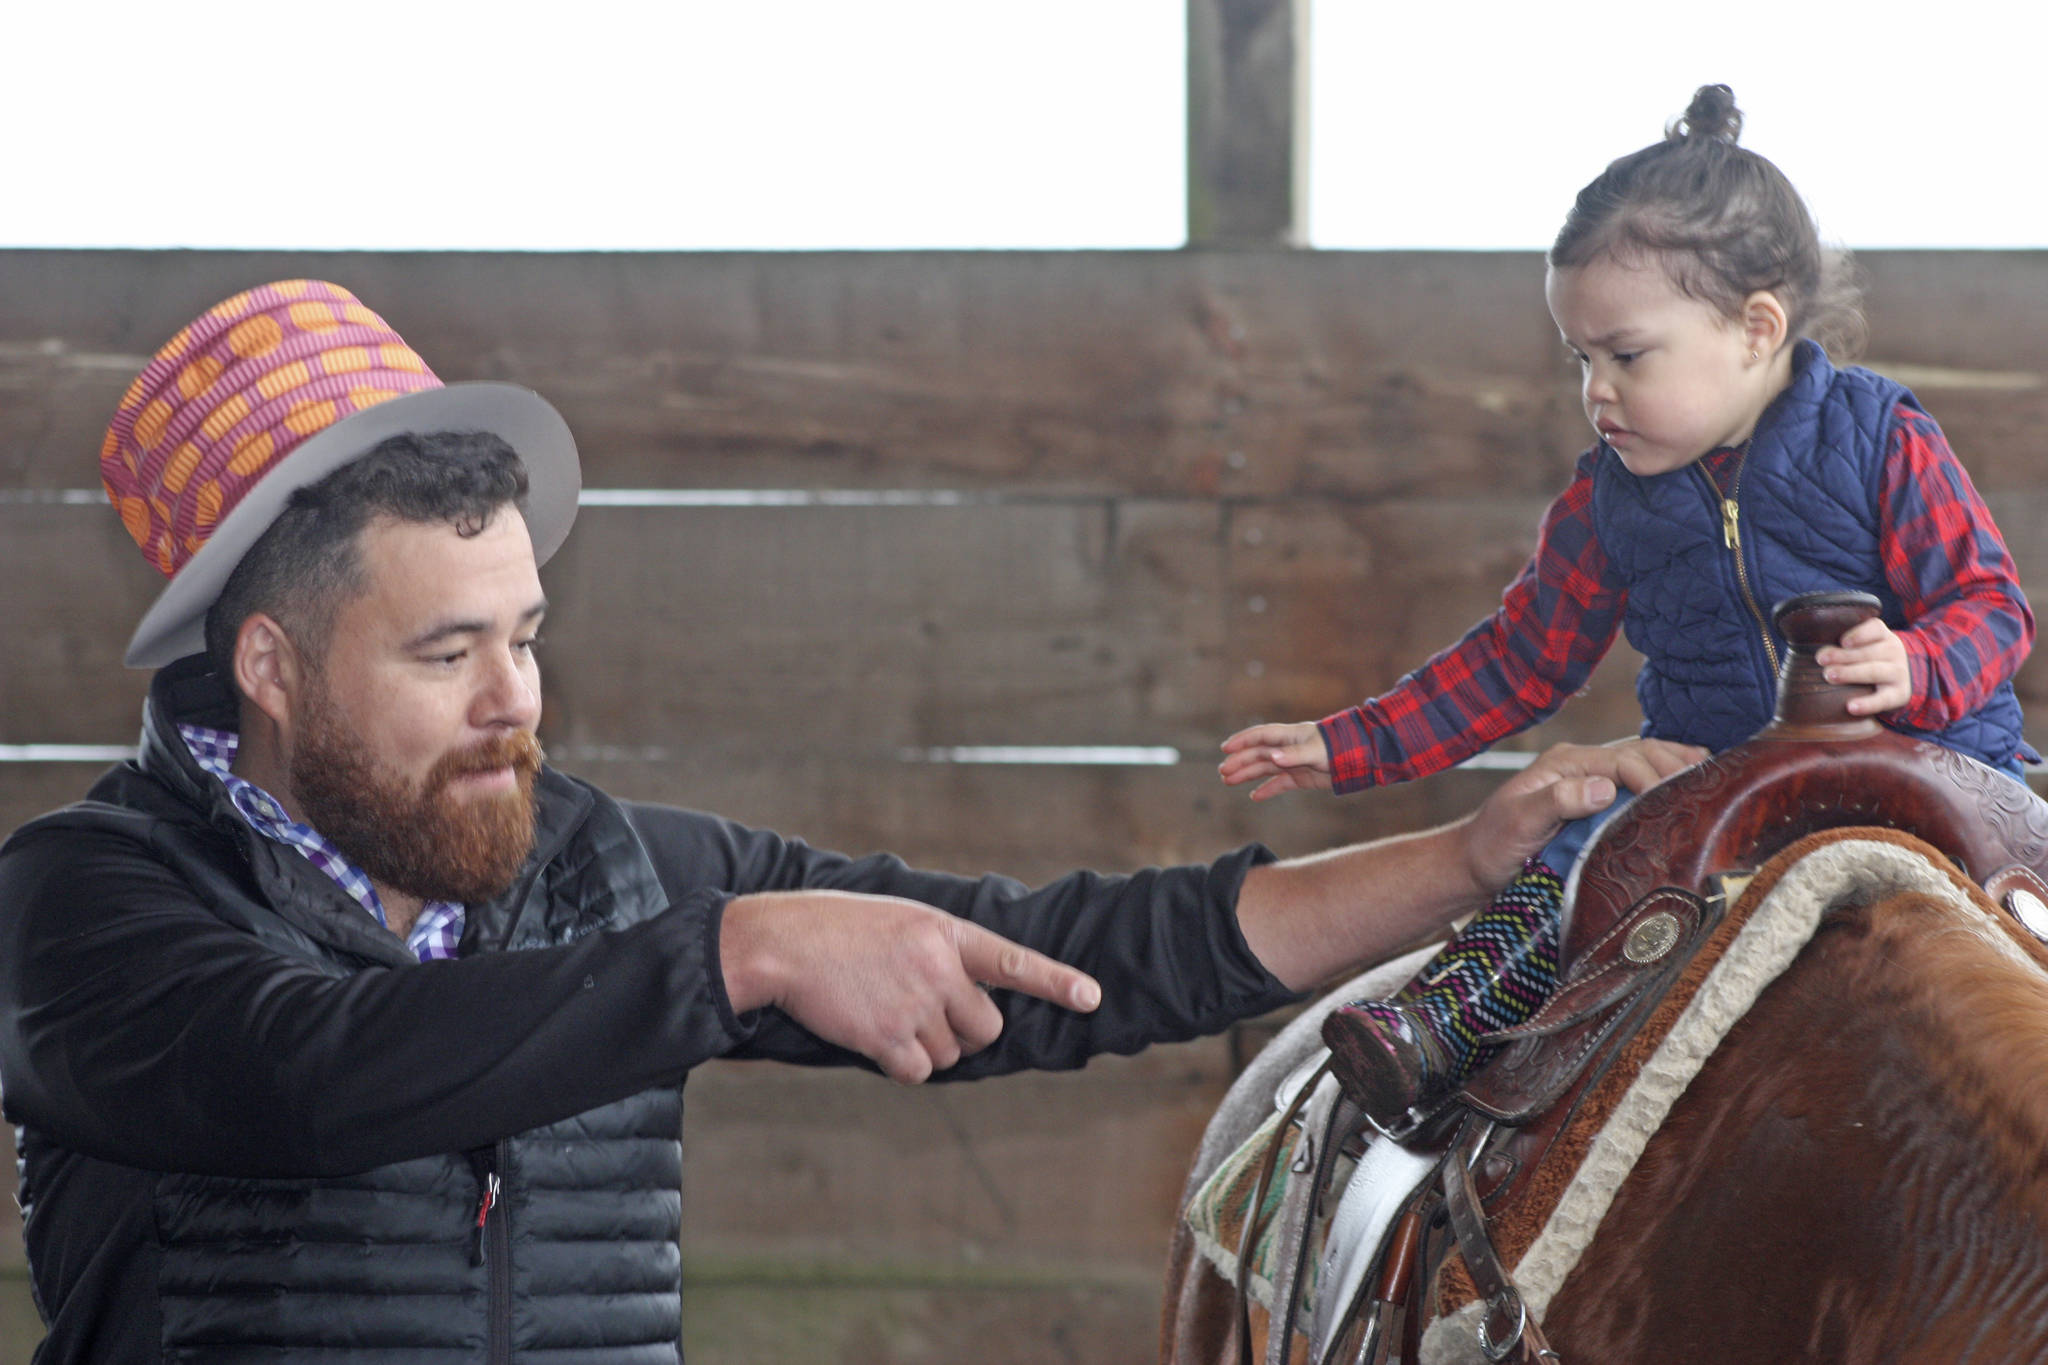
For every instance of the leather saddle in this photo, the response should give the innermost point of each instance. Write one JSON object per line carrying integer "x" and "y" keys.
{"x": 1653, "y": 885}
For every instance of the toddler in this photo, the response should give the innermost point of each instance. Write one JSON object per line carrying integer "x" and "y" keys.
{"x": 1735, "y": 466}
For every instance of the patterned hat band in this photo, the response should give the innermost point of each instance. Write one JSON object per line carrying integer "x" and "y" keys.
{"x": 229, "y": 397}
{"x": 268, "y": 392}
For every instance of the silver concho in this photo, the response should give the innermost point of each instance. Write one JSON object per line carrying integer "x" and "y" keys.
{"x": 2027, "y": 908}
{"x": 1653, "y": 938}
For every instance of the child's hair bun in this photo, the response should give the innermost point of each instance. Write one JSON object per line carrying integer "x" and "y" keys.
{"x": 1712, "y": 116}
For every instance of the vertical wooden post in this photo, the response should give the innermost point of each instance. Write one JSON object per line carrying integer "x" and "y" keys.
{"x": 1247, "y": 123}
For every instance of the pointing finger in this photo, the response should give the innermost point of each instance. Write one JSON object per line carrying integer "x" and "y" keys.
{"x": 995, "y": 960}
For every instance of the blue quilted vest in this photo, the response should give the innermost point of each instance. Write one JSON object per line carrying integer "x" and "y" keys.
{"x": 1807, "y": 493}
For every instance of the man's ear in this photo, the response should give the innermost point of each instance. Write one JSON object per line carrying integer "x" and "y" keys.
{"x": 269, "y": 672}
{"x": 1765, "y": 324}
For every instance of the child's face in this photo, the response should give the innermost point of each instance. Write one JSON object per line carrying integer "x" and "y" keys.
{"x": 1667, "y": 378}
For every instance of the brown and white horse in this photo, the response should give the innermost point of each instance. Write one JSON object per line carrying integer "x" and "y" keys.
{"x": 1858, "y": 1172}
{"x": 1819, "y": 1132}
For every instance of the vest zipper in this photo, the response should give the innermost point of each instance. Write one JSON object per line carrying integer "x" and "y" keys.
{"x": 492, "y": 1248}
{"x": 1731, "y": 536}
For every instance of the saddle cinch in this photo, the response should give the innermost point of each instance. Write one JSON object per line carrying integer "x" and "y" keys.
{"x": 1653, "y": 886}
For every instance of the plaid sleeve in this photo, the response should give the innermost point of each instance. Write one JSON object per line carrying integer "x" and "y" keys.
{"x": 1968, "y": 627}
{"x": 1555, "y": 622}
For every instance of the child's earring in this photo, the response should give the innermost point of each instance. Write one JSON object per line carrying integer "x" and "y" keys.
{"x": 1752, "y": 353}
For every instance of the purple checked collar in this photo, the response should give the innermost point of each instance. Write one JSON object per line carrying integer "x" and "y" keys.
{"x": 435, "y": 933}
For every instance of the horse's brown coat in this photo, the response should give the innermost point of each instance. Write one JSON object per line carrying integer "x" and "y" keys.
{"x": 1516, "y": 1226}
{"x": 1859, "y": 1175}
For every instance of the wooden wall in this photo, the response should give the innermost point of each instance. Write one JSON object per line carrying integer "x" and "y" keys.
{"x": 1101, "y": 499}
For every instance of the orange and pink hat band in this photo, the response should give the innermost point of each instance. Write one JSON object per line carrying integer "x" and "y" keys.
{"x": 231, "y": 395}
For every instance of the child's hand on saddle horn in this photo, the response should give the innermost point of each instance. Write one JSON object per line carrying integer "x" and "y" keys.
{"x": 1870, "y": 652}
{"x": 1287, "y": 758}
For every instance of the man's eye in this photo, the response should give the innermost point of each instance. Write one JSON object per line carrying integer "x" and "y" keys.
{"x": 1624, "y": 357}
{"x": 530, "y": 645}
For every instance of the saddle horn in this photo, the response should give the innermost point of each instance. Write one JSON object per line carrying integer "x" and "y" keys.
{"x": 1814, "y": 767}
{"x": 1645, "y": 893}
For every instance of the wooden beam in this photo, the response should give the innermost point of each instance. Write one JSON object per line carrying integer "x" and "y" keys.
{"x": 1247, "y": 123}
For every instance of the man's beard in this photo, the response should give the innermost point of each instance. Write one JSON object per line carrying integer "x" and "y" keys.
{"x": 417, "y": 839}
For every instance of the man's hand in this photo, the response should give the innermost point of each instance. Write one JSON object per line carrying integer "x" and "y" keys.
{"x": 1310, "y": 919}
{"x": 1566, "y": 782}
{"x": 894, "y": 980}
{"x": 1288, "y": 757}
{"x": 1872, "y": 653}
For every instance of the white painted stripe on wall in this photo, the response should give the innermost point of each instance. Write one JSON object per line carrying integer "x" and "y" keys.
{"x": 66, "y": 753}
{"x": 1494, "y": 760}
{"x": 1073, "y": 755}
{"x": 49, "y": 497}
{"x": 784, "y": 497}
{"x": 679, "y": 497}
{"x": 1093, "y": 755}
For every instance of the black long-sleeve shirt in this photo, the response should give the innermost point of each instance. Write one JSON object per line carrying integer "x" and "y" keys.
{"x": 186, "y": 1005}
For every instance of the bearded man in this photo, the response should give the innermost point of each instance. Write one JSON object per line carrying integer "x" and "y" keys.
{"x": 337, "y": 1023}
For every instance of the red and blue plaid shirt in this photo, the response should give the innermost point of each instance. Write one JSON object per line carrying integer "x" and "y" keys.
{"x": 435, "y": 933}
{"x": 1942, "y": 554}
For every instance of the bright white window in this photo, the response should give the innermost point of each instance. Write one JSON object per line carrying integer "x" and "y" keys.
{"x": 600, "y": 124}
{"x": 710, "y": 124}
{"x": 1474, "y": 125}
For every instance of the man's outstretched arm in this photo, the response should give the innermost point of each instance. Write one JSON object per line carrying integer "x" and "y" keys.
{"x": 899, "y": 982}
{"x": 1315, "y": 918}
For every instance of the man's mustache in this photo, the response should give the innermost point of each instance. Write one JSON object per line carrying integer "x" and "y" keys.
{"x": 519, "y": 750}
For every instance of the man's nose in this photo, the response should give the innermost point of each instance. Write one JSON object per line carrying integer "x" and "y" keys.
{"x": 510, "y": 691}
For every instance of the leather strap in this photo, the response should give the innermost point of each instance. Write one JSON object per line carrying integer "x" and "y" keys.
{"x": 1327, "y": 1121}
{"x": 1397, "y": 1281}
{"x": 1506, "y": 1330}
{"x": 1248, "y": 1235}
{"x": 1616, "y": 964}
{"x": 1606, "y": 995}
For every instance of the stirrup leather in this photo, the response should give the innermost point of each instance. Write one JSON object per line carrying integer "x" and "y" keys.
{"x": 1506, "y": 1330}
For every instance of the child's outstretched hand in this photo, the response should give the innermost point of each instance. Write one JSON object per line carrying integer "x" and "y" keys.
{"x": 1288, "y": 757}
{"x": 1870, "y": 653}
